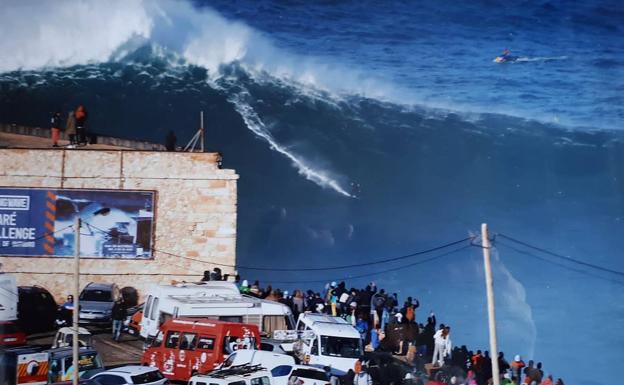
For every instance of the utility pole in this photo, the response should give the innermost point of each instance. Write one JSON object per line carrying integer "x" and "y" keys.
{"x": 76, "y": 312}
{"x": 75, "y": 341}
{"x": 199, "y": 136}
{"x": 485, "y": 241}
{"x": 201, "y": 127}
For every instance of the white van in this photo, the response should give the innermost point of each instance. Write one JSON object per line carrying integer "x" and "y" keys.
{"x": 8, "y": 297}
{"x": 323, "y": 340}
{"x": 218, "y": 300}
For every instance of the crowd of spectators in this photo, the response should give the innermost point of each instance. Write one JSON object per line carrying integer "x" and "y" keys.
{"x": 388, "y": 326}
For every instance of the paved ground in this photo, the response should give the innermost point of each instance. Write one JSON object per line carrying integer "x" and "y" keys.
{"x": 127, "y": 351}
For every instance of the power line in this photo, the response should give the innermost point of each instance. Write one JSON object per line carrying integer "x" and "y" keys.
{"x": 365, "y": 263}
{"x": 321, "y": 268}
{"x": 427, "y": 251}
{"x": 585, "y": 272}
{"x": 379, "y": 272}
{"x": 561, "y": 256}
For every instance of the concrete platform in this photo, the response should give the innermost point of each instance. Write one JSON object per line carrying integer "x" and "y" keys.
{"x": 18, "y": 136}
{"x": 8, "y": 140}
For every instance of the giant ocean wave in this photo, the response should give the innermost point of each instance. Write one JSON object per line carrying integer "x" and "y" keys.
{"x": 338, "y": 165}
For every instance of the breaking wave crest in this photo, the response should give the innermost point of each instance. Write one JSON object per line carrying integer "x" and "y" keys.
{"x": 177, "y": 32}
{"x": 88, "y": 32}
{"x": 67, "y": 33}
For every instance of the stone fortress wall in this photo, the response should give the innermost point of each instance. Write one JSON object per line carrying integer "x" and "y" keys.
{"x": 195, "y": 213}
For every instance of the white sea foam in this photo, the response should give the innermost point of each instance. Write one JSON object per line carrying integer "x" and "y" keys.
{"x": 64, "y": 33}
{"x": 540, "y": 58}
{"x": 312, "y": 173}
{"x": 38, "y": 34}
{"x": 70, "y": 33}
{"x": 512, "y": 299}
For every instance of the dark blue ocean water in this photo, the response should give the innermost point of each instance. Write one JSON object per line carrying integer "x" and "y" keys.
{"x": 440, "y": 53}
{"x": 364, "y": 131}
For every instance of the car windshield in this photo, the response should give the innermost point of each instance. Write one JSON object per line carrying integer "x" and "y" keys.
{"x": 96, "y": 295}
{"x": 148, "y": 377}
{"x": 87, "y": 361}
{"x": 86, "y": 338}
{"x": 310, "y": 373}
{"x": 341, "y": 347}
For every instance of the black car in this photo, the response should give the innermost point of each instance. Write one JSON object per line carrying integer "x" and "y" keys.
{"x": 36, "y": 309}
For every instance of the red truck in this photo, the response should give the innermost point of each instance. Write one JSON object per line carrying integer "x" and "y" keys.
{"x": 187, "y": 346}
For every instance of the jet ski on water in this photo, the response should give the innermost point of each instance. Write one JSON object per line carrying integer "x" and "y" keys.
{"x": 506, "y": 57}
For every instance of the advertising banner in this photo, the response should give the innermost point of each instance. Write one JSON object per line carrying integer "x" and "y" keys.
{"x": 39, "y": 222}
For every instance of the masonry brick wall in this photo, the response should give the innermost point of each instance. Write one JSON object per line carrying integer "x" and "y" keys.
{"x": 196, "y": 205}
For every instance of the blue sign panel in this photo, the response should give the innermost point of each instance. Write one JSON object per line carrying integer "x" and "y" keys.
{"x": 40, "y": 222}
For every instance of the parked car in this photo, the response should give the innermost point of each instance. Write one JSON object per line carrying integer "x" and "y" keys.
{"x": 309, "y": 375}
{"x": 11, "y": 335}
{"x": 36, "y": 309}
{"x": 81, "y": 381}
{"x": 60, "y": 363}
{"x": 65, "y": 337}
{"x": 96, "y": 303}
{"x": 132, "y": 325}
{"x": 131, "y": 375}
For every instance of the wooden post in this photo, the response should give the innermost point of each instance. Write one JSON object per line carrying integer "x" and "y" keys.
{"x": 490, "y": 299}
{"x": 76, "y": 311}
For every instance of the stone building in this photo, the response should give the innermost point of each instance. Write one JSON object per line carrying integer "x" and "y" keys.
{"x": 195, "y": 213}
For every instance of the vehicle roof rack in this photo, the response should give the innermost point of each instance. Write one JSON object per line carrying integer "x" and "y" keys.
{"x": 238, "y": 370}
{"x": 328, "y": 323}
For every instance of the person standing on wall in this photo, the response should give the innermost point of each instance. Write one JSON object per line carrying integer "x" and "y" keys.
{"x": 70, "y": 128}
{"x": 118, "y": 315}
{"x": 170, "y": 141}
{"x": 55, "y": 128}
{"x": 81, "y": 118}
{"x": 442, "y": 346}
